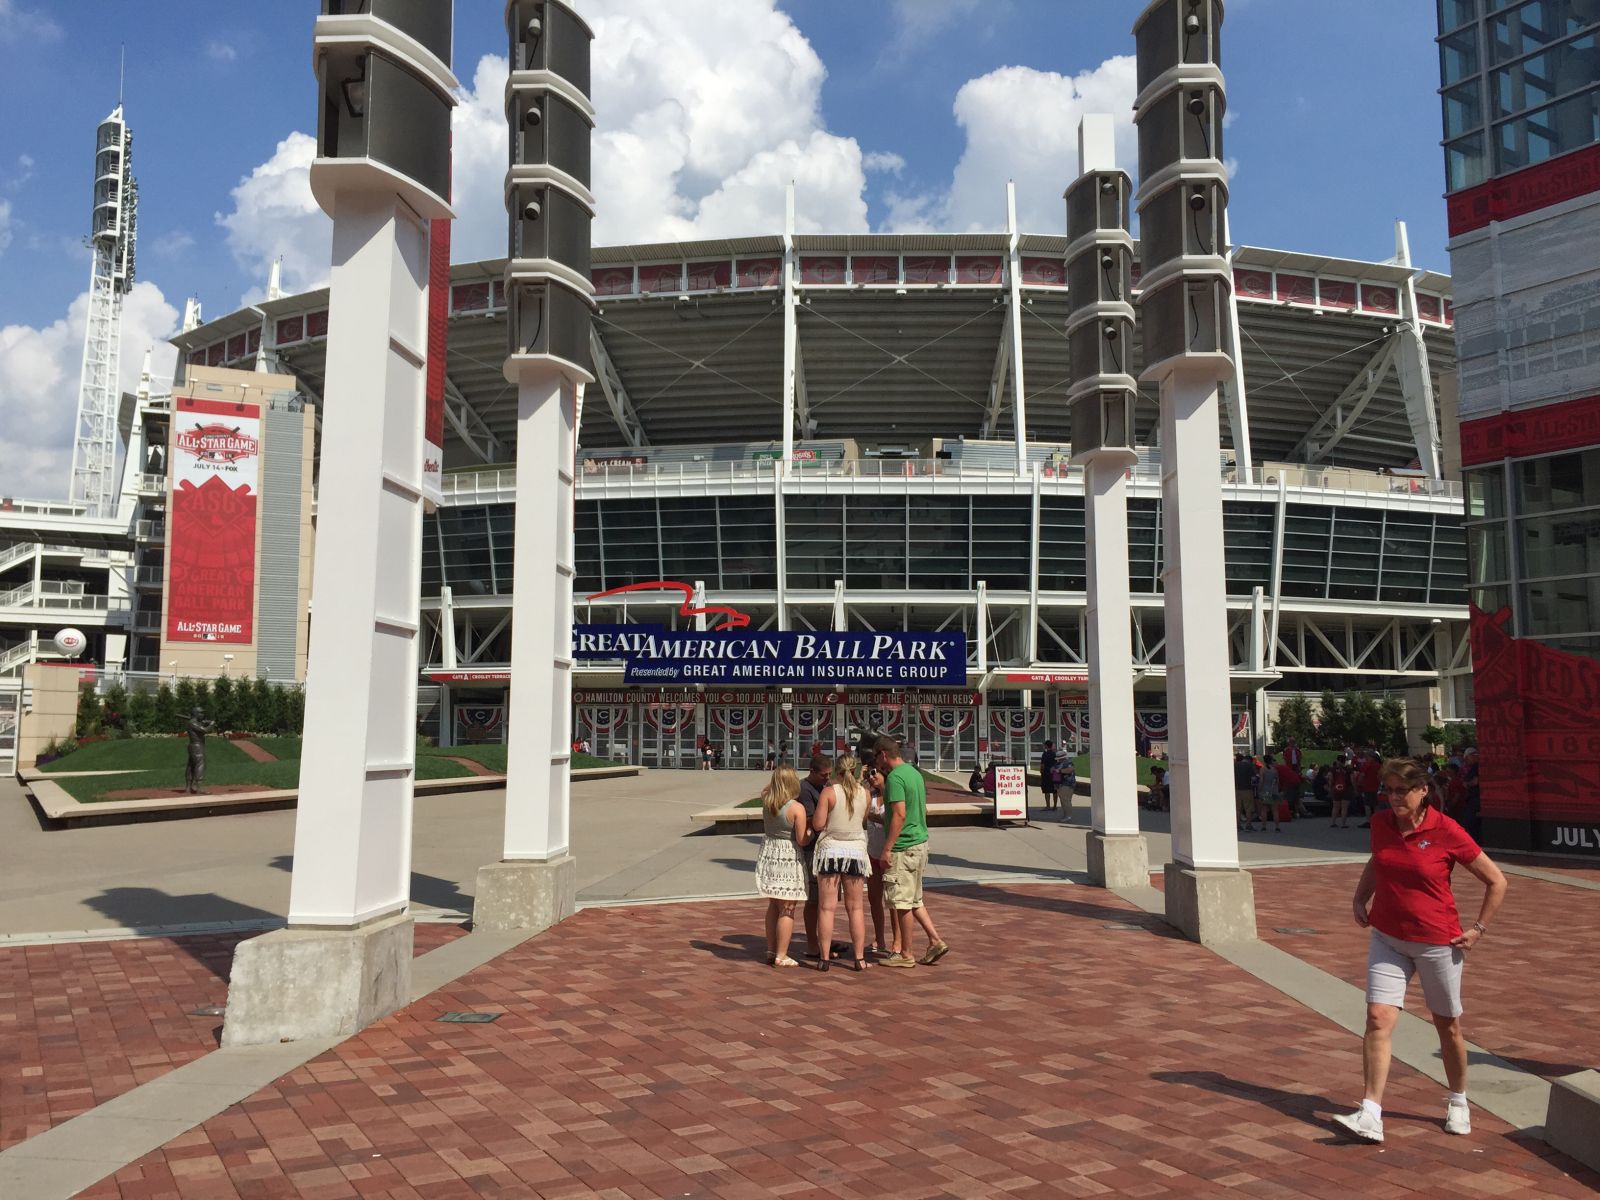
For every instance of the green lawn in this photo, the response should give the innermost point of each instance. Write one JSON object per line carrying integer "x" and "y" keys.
{"x": 145, "y": 753}
{"x": 267, "y": 776}
{"x": 491, "y": 755}
{"x": 285, "y": 746}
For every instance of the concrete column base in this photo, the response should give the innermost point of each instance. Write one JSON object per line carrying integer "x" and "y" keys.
{"x": 525, "y": 896}
{"x": 1118, "y": 860}
{"x": 1573, "y": 1120}
{"x": 1211, "y": 906}
{"x": 295, "y": 984}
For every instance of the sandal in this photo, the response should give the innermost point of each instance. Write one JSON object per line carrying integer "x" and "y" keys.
{"x": 822, "y": 965}
{"x": 785, "y": 961}
{"x": 861, "y": 965}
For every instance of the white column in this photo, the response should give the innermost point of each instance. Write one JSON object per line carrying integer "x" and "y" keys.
{"x": 352, "y": 845}
{"x": 790, "y": 334}
{"x": 1019, "y": 403}
{"x": 538, "y": 786}
{"x": 1113, "y": 794}
{"x": 1199, "y": 706}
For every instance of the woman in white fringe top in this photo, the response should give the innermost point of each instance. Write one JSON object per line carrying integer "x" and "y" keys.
{"x": 840, "y": 857}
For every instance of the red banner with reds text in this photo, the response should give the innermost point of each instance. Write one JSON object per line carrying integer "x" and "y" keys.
{"x": 215, "y": 467}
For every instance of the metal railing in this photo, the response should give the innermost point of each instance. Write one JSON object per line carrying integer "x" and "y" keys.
{"x": 144, "y": 621}
{"x": 149, "y": 482}
{"x": 17, "y": 656}
{"x": 17, "y": 553}
{"x": 150, "y": 530}
{"x": 500, "y": 483}
{"x": 45, "y": 508}
{"x": 51, "y": 593}
{"x": 149, "y": 576}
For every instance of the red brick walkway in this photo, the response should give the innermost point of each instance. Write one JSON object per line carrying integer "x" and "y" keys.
{"x": 82, "y": 1022}
{"x": 1531, "y": 985}
{"x": 1069, "y": 1046}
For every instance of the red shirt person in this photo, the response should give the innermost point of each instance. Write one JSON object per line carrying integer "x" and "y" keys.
{"x": 1415, "y": 929}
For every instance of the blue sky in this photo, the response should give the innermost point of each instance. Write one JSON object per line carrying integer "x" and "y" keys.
{"x": 890, "y": 113}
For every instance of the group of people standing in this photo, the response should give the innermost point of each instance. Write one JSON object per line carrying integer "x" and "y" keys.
{"x": 853, "y": 831}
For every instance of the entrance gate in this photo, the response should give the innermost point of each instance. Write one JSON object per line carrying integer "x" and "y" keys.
{"x": 946, "y": 736}
{"x": 667, "y": 735}
{"x": 742, "y": 732}
{"x": 1017, "y": 735}
{"x": 803, "y": 728}
{"x": 607, "y": 728}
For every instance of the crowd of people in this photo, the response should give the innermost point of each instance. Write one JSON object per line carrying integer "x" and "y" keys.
{"x": 853, "y": 831}
{"x": 1277, "y": 786}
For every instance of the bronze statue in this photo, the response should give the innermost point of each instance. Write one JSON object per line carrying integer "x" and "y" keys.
{"x": 194, "y": 771}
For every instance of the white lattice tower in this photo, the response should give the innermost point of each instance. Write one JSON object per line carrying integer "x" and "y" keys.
{"x": 111, "y": 239}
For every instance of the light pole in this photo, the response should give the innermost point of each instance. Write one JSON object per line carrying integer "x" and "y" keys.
{"x": 1186, "y": 283}
{"x": 550, "y": 209}
{"x": 382, "y": 172}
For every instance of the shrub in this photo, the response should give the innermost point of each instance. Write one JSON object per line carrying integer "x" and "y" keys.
{"x": 141, "y": 713}
{"x": 166, "y": 716}
{"x": 224, "y": 708}
{"x": 294, "y": 710}
{"x": 185, "y": 697}
{"x": 1294, "y": 720}
{"x": 1460, "y": 734}
{"x": 88, "y": 711}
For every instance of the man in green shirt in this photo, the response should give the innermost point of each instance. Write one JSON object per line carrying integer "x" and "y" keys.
{"x": 905, "y": 854}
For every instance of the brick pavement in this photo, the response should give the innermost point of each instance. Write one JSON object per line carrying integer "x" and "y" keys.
{"x": 82, "y": 1022}
{"x": 1069, "y": 1046}
{"x": 1530, "y": 985}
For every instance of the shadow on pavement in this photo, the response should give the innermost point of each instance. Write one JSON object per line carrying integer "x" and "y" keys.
{"x": 747, "y": 865}
{"x": 1104, "y": 913}
{"x": 142, "y": 908}
{"x": 735, "y": 947}
{"x": 1534, "y": 1066}
{"x": 1313, "y": 1110}
{"x": 425, "y": 889}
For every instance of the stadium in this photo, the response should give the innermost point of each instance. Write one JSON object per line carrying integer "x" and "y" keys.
{"x": 921, "y": 380}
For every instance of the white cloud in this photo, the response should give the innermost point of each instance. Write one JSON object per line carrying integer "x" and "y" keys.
{"x": 39, "y": 377}
{"x": 25, "y": 26}
{"x": 1022, "y": 124}
{"x": 274, "y": 214}
{"x": 171, "y": 244}
{"x": 220, "y": 52}
{"x": 916, "y": 21}
{"x": 5, "y": 225}
{"x": 706, "y": 111}
{"x": 885, "y": 161}
{"x": 24, "y": 173}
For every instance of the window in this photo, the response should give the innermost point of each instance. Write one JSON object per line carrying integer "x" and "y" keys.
{"x": 1561, "y": 606}
{"x": 875, "y": 544}
{"x": 749, "y": 540}
{"x": 1463, "y": 109}
{"x": 1001, "y": 540}
{"x": 1526, "y": 28}
{"x": 1466, "y": 165}
{"x": 1486, "y": 492}
{"x": 1061, "y": 544}
{"x": 938, "y": 543}
{"x": 1565, "y": 545}
{"x": 1247, "y": 530}
{"x": 1557, "y": 482}
{"x": 1486, "y": 550}
{"x": 1458, "y": 56}
{"x": 1548, "y": 132}
{"x": 1453, "y": 14}
{"x": 1537, "y": 81}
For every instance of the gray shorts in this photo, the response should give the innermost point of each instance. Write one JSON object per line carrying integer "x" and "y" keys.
{"x": 1391, "y": 963}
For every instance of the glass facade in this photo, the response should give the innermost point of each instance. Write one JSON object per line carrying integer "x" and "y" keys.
{"x": 900, "y": 544}
{"x": 1533, "y": 538}
{"x": 1520, "y": 83}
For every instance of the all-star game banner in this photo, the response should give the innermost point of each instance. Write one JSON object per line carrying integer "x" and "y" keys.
{"x": 215, "y": 469}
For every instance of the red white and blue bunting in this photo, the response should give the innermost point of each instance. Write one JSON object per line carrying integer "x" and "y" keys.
{"x": 669, "y": 718}
{"x": 741, "y": 719}
{"x": 603, "y": 718}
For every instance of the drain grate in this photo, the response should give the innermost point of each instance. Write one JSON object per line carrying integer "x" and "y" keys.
{"x": 1295, "y": 929}
{"x": 1122, "y": 926}
{"x": 468, "y": 1018}
{"x": 209, "y": 1010}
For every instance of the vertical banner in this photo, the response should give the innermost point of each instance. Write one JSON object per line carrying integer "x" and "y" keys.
{"x": 438, "y": 341}
{"x": 215, "y": 471}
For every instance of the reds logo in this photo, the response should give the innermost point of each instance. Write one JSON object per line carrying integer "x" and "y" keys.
{"x": 731, "y": 618}
{"x": 217, "y": 443}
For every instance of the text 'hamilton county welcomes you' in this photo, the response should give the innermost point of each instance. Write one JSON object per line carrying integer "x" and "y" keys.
{"x": 655, "y": 654}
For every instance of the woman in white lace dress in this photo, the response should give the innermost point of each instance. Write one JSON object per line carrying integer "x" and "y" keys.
{"x": 780, "y": 872}
{"x": 840, "y": 823}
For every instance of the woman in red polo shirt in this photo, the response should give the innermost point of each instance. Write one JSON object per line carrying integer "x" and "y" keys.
{"x": 1415, "y": 930}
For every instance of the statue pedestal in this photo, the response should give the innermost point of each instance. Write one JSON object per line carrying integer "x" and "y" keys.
{"x": 527, "y": 897}
{"x": 294, "y": 984}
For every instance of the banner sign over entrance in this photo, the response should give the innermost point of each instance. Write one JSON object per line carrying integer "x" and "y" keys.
{"x": 655, "y": 654}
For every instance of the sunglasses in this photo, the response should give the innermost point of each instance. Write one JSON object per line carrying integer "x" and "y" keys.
{"x": 1403, "y": 791}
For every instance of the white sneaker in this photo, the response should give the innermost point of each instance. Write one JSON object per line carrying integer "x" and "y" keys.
{"x": 1361, "y": 1123}
{"x": 1457, "y": 1117}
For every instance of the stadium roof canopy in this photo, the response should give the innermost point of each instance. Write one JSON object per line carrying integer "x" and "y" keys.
{"x": 901, "y": 337}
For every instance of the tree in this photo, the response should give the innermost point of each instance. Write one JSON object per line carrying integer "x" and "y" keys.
{"x": 1460, "y": 734}
{"x": 114, "y": 709}
{"x": 1332, "y": 730}
{"x": 141, "y": 712}
{"x": 1294, "y": 720}
{"x": 294, "y": 710}
{"x": 224, "y": 707}
{"x": 1391, "y": 737}
{"x": 186, "y": 698}
{"x": 166, "y": 717}
{"x": 88, "y": 721}
{"x": 1433, "y": 735}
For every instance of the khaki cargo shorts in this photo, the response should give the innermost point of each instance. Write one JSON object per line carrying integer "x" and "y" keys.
{"x": 902, "y": 883}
